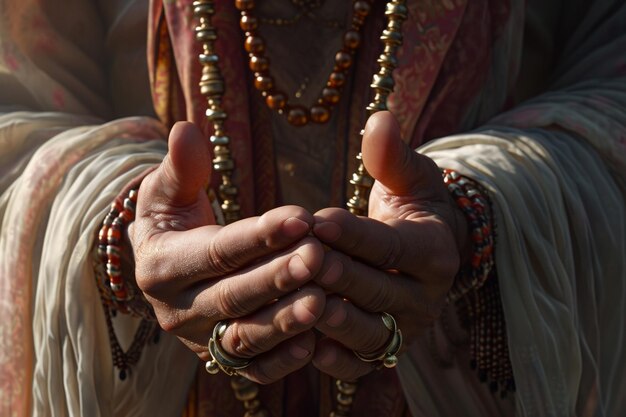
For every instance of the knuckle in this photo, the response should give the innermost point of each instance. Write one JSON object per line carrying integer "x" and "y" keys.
{"x": 148, "y": 277}
{"x": 381, "y": 299}
{"x": 394, "y": 249}
{"x": 168, "y": 320}
{"x": 242, "y": 342}
{"x": 289, "y": 327}
{"x": 218, "y": 260}
{"x": 228, "y": 302}
{"x": 153, "y": 273}
{"x": 377, "y": 340}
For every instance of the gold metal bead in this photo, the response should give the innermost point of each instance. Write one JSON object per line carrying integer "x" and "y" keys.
{"x": 390, "y": 361}
{"x": 223, "y": 165}
{"x": 383, "y": 82}
{"x": 212, "y": 367}
{"x": 205, "y": 35}
{"x": 393, "y": 37}
{"x": 215, "y": 114}
{"x": 208, "y": 59}
{"x": 247, "y": 393}
{"x": 200, "y": 8}
{"x": 397, "y": 10}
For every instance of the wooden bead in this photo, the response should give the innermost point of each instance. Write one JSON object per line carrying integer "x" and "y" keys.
{"x": 343, "y": 60}
{"x": 361, "y": 8}
{"x": 330, "y": 95}
{"x": 320, "y": 114}
{"x": 243, "y": 5}
{"x": 254, "y": 45}
{"x": 297, "y": 116}
{"x": 352, "y": 39}
{"x": 248, "y": 23}
{"x": 263, "y": 82}
{"x": 336, "y": 79}
{"x": 113, "y": 236}
{"x": 276, "y": 100}
{"x": 259, "y": 63}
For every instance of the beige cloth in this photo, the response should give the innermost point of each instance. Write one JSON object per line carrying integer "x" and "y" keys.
{"x": 555, "y": 168}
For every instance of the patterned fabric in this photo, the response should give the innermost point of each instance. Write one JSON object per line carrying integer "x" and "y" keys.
{"x": 551, "y": 153}
{"x": 438, "y": 70}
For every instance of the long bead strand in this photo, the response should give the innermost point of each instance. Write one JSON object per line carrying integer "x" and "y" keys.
{"x": 212, "y": 86}
{"x": 382, "y": 84}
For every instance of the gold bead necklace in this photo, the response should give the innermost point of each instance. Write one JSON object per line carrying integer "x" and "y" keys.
{"x": 212, "y": 86}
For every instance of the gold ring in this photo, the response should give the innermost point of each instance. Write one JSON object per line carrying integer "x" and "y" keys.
{"x": 220, "y": 359}
{"x": 388, "y": 357}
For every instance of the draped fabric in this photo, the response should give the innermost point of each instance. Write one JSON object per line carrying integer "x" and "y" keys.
{"x": 541, "y": 92}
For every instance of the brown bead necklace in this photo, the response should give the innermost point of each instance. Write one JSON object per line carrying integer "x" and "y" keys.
{"x": 277, "y": 100}
{"x": 212, "y": 86}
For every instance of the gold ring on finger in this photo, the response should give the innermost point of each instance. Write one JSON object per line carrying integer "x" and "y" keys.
{"x": 220, "y": 359}
{"x": 388, "y": 356}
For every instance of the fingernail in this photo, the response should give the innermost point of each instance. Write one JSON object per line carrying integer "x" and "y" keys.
{"x": 298, "y": 352}
{"x": 302, "y": 313}
{"x": 327, "y": 231}
{"x": 337, "y": 318}
{"x": 294, "y": 227}
{"x": 328, "y": 358}
{"x": 297, "y": 269}
{"x": 332, "y": 275}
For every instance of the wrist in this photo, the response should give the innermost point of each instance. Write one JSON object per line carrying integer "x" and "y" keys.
{"x": 476, "y": 237}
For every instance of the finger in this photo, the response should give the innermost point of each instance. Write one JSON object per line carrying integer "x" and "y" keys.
{"x": 260, "y": 332}
{"x": 214, "y": 251}
{"x": 191, "y": 311}
{"x": 332, "y": 358}
{"x": 185, "y": 169}
{"x": 396, "y": 166}
{"x": 416, "y": 247}
{"x": 286, "y": 358}
{"x": 374, "y": 290}
{"x": 352, "y": 327}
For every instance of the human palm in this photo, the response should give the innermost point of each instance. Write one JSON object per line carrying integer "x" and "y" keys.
{"x": 400, "y": 260}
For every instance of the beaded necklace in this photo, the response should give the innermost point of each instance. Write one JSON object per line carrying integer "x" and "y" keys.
{"x": 264, "y": 82}
{"x": 212, "y": 86}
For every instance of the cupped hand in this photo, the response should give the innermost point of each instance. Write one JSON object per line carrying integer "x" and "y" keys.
{"x": 255, "y": 272}
{"x": 402, "y": 259}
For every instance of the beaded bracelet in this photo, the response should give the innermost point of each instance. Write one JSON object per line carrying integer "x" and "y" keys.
{"x": 476, "y": 290}
{"x": 472, "y": 200}
{"x": 120, "y": 295}
{"x": 117, "y": 294}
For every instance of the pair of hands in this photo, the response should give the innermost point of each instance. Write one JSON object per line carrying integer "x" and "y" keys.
{"x": 279, "y": 276}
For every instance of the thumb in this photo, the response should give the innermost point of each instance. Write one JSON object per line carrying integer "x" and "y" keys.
{"x": 392, "y": 162}
{"x": 186, "y": 167}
